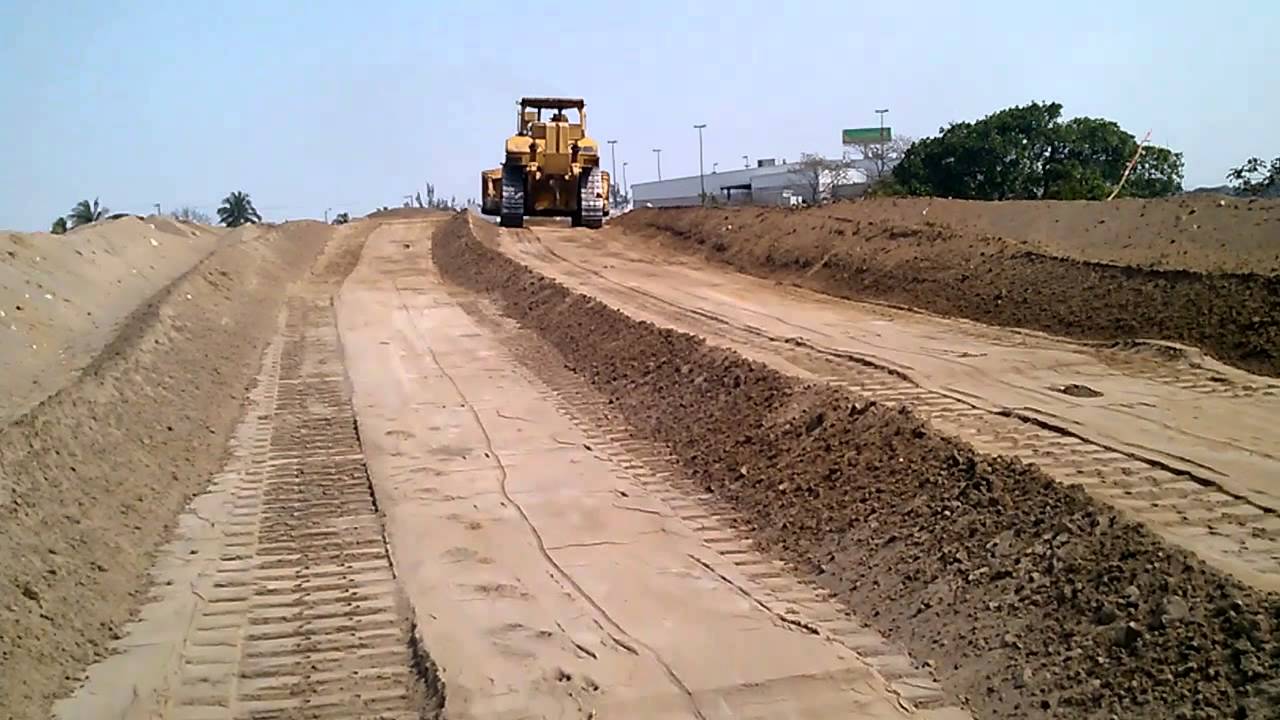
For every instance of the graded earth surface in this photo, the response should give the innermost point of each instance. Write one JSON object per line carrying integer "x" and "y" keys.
{"x": 880, "y": 459}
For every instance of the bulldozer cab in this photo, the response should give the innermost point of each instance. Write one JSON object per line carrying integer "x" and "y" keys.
{"x": 540, "y": 111}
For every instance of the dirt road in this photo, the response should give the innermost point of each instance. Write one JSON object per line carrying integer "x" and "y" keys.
{"x": 276, "y": 597}
{"x": 460, "y": 489}
{"x": 1191, "y": 451}
{"x": 421, "y": 515}
{"x": 552, "y": 575}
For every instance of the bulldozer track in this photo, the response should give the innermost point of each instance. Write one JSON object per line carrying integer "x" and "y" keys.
{"x": 297, "y": 613}
{"x": 592, "y": 198}
{"x": 783, "y": 590}
{"x": 303, "y": 618}
{"x": 1188, "y": 509}
{"x": 512, "y": 196}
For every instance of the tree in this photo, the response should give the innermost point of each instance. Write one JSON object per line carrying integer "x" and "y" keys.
{"x": 59, "y": 226}
{"x": 85, "y": 213}
{"x": 819, "y": 175}
{"x": 1256, "y": 178}
{"x": 237, "y": 209}
{"x": 1029, "y": 152}
{"x": 881, "y": 157}
{"x": 342, "y": 218}
{"x": 1157, "y": 174}
{"x": 432, "y": 202}
{"x": 190, "y": 214}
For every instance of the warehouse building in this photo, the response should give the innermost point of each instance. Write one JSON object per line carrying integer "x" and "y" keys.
{"x": 768, "y": 183}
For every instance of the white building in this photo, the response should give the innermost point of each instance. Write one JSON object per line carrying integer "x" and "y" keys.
{"x": 765, "y": 184}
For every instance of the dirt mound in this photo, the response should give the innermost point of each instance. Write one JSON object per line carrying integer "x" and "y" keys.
{"x": 62, "y": 297}
{"x": 404, "y": 213}
{"x": 169, "y": 225}
{"x": 1199, "y": 233}
{"x": 92, "y": 478}
{"x": 1030, "y": 598}
{"x": 934, "y": 266}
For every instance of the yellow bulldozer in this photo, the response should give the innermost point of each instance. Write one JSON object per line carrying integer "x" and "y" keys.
{"x": 552, "y": 169}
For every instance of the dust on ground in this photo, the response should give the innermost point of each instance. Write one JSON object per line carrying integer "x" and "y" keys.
{"x": 1029, "y": 597}
{"x": 62, "y": 297}
{"x": 1120, "y": 281}
{"x": 93, "y": 477}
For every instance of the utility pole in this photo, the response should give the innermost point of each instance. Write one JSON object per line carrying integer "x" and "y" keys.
{"x": 658, "y": 153}
{"x": 745, "y": 162}
{"x": 880, "y": 161}
{"x": 702, "y": 175}
{"x": 613, "y": 178}
{"x": 625, "y": 187}
{"x": 713, "y": 167}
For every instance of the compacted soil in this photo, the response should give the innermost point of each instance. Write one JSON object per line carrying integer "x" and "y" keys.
{"x": 1029, "y": 598}
{"x": 1198, "y": 271}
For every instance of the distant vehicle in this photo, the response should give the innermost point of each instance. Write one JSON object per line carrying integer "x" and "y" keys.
{"x": 791, "y": 200}
{"x": 551, "y": 169}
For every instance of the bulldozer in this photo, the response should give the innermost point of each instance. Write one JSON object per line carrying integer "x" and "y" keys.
{"x": 551, "y": 169}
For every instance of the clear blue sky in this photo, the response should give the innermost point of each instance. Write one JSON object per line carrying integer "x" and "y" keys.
{"x": 345, "y": 105}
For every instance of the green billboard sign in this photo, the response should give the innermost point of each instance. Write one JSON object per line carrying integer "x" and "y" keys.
{"x": 857, "y": 136}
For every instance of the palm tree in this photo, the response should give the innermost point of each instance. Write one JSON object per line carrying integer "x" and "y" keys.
{"x": 237, "y": 209}
{"x": 84, "y": 213}
{"x": 59, "y": 226}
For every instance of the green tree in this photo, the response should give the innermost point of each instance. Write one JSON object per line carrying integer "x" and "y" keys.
{"x": 1029, "y": 152}
{"x": 1256, "y": 178}
{"x": 59, "y": 226}
{"x": 85, "y": 213}
{"x": 1157, "y": 174}
{"x": 237, "y": 209}
{"x": 1086, "y": 160}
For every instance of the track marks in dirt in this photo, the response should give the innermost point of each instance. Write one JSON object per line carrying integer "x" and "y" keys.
{"x": 1032, "y": 598}
{"x": 957, "y": 272}
{"x": 300, "y": 615}
{"x": 564, "y": 576}
{"x": 782, "y": 590}
{"x": 1236, "y": 534}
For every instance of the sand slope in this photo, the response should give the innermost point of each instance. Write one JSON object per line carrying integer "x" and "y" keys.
{"x": 1200, "y": 233}
{"x": 92, "y": 478}
{"x": 62, "y": 297}
{"x": 1048, "y": 270}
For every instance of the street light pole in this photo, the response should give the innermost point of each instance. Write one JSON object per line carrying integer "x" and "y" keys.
{"x": 702, "y": 175}
{"x": 880, "y": 161}
{"x": 714, "y": 166}
{"x": 613, "y": 153}
{"x": 626, "y": 188}
{"x": 745, "y": 162}
{"x": 658, "y": 153}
